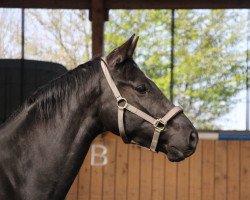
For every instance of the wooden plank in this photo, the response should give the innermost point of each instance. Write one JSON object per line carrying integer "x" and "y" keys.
{"x": 121, "y": 170}
{"x": 98, "y": 16}
{"x": 170, "y": 180}
{"x": 233, "y": 170}
{"x": 84, "y": 179}
{"x": 96, "y": 178}
{"x": 128, "y": 4}
{"x": 133, "y": 172}
{"x": 181, "y": 4}
{"x": 109, "y": 169}
{"x": 195, "y": 174}
{"x": 183, "y": 180}
{"x": 158, "y": 176}
{"x": 208, "y": 170}
{"x": 73, "y": 192}
{"x": 146, "y": 174}
{"x": 74, "y": 4}
{"x": 220, "y": 179}
{"x": 245, "y": 170}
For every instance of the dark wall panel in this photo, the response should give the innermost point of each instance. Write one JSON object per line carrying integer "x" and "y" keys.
{"x": 18, "y": 79}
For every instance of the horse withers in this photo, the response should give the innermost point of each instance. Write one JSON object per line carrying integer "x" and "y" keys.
{"x": 43, "y": 145}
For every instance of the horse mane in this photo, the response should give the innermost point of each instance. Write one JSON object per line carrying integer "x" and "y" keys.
{"x": 50, "y": 97}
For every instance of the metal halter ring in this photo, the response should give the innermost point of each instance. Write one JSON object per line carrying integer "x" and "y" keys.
{"x": 159, "y": 125}
{"x": 120, "y": 101}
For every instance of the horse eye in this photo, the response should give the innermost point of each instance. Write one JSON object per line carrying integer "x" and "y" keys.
{"x": 141, "y": 89}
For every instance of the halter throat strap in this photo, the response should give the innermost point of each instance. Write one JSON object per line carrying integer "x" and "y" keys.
{"x": 122, "y": 104}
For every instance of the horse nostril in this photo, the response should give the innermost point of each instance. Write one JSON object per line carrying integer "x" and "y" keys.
{"x": 193, "y": 139}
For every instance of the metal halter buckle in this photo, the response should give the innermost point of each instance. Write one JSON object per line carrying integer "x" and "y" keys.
{"x": 159, "y": 125}
{"x": 122, "y": 103}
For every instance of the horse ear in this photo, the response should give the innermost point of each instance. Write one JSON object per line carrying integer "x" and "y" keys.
{"x": 123, "y": 52}
{"x": 132, "y": 47}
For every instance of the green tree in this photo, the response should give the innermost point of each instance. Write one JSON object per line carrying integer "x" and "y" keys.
{"x": 209, "y": 62}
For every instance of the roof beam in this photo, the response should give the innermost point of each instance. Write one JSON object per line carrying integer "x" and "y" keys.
{"x": 54, "y": 4}
{"x": 128, "y": 4}
{"x": 173, "y": 4}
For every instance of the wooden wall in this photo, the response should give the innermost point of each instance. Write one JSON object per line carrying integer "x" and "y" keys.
{"x": 218, "y": 170}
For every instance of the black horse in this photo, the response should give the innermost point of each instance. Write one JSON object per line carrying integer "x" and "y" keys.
{"x": 43, "y": 145}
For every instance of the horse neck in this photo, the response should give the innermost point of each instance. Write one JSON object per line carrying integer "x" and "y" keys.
{"x": 54, "y": 149}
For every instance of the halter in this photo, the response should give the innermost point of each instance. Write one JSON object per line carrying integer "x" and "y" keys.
{"x": 122, "y": 104}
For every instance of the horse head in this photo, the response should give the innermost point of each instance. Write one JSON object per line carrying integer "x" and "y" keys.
{"x": 134, "y": 107}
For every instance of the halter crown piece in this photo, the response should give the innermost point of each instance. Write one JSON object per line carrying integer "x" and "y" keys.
{"x": 122, "y": 104}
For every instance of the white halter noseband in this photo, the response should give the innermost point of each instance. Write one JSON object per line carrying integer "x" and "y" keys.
{"x": 159, "y": 124}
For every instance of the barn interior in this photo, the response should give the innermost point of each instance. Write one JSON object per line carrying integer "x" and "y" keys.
{"x": 197, "y": 52}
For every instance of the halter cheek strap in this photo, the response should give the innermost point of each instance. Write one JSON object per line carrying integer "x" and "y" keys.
{"x": 122, "y": 104}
